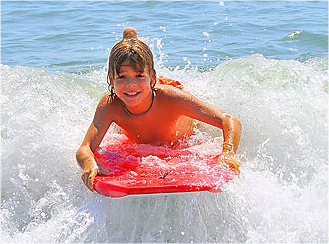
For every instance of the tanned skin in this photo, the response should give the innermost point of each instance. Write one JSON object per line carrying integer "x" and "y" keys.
{"x": 167, "y": 118}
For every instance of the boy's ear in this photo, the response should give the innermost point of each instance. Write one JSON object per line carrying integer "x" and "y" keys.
{"x": 109, "y": 80}
{"x": 110, "y": 83}
{"x": 153, "y": 80}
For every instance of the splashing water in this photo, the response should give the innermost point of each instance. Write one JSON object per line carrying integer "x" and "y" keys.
{"x": 281, "y": 195}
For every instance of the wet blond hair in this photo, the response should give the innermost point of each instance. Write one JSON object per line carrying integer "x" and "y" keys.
{"x": 130, "y": 49}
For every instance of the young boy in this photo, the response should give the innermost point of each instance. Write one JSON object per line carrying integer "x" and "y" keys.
{"x": 147, "y": 112}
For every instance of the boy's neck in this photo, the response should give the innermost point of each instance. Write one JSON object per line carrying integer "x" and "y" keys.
{"x": 142, "y": 113}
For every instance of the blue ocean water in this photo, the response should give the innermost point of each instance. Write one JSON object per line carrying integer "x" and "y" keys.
{"x": 77, "y": 35}
{"x": 264, "y": 61}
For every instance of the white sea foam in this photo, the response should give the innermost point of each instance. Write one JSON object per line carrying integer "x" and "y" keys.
{"x": 281, "y": 195}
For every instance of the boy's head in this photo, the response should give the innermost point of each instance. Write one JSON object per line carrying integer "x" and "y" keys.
{"x": 133, "y": 50}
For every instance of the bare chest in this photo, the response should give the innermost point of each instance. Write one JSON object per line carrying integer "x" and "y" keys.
{"x": 149, "y": 129}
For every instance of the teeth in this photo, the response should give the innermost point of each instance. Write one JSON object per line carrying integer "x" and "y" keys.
{"x": 131, "y": 93}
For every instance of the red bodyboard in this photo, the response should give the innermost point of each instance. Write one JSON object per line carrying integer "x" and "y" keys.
{"x": 135, "y": 169}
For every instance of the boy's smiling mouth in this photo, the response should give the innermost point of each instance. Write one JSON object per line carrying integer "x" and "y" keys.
{"x": 132, "y": 93}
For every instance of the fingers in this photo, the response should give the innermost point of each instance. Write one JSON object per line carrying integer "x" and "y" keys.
{"x": 84, "y": 178}
{"x": 232, "y": 161}
{"x": 88, "y": 179}
{"x": 233, "y": 165}
{"x": 236, "y": 170}
{"x": 92, "y": 178}
{"x": 104, "y": 171}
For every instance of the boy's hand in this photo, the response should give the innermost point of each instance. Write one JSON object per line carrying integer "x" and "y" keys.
{"x": 89, "y": 175}
{"x": 232, "y": 160}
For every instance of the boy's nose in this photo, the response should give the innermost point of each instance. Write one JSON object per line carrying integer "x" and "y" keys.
{"x": 131, "y": 82}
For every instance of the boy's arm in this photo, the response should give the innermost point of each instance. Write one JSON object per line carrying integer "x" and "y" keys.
{"x": 188, "y": 105}
{"x": 232, "y": 128}
{"x": 93, "y": 137}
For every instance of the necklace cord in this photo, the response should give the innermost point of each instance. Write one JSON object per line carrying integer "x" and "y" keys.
{"x": 142, "y": 113}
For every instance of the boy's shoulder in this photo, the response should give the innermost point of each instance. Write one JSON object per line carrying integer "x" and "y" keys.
{"x": 107, "y": 101}
{"x": 171, "y": 93}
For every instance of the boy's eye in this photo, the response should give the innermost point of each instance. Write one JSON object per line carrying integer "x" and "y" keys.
{"x": 140, "y": 75}
{"x": 121, "y": 77}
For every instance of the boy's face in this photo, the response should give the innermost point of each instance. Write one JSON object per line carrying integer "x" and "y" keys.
{"x": 133, "y": 87}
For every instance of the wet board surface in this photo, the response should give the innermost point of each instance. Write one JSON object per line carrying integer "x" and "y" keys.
{"x": 142, "y": 169}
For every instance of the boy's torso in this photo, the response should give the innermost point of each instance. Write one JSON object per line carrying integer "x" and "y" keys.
{"x": 163, "y": 124}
